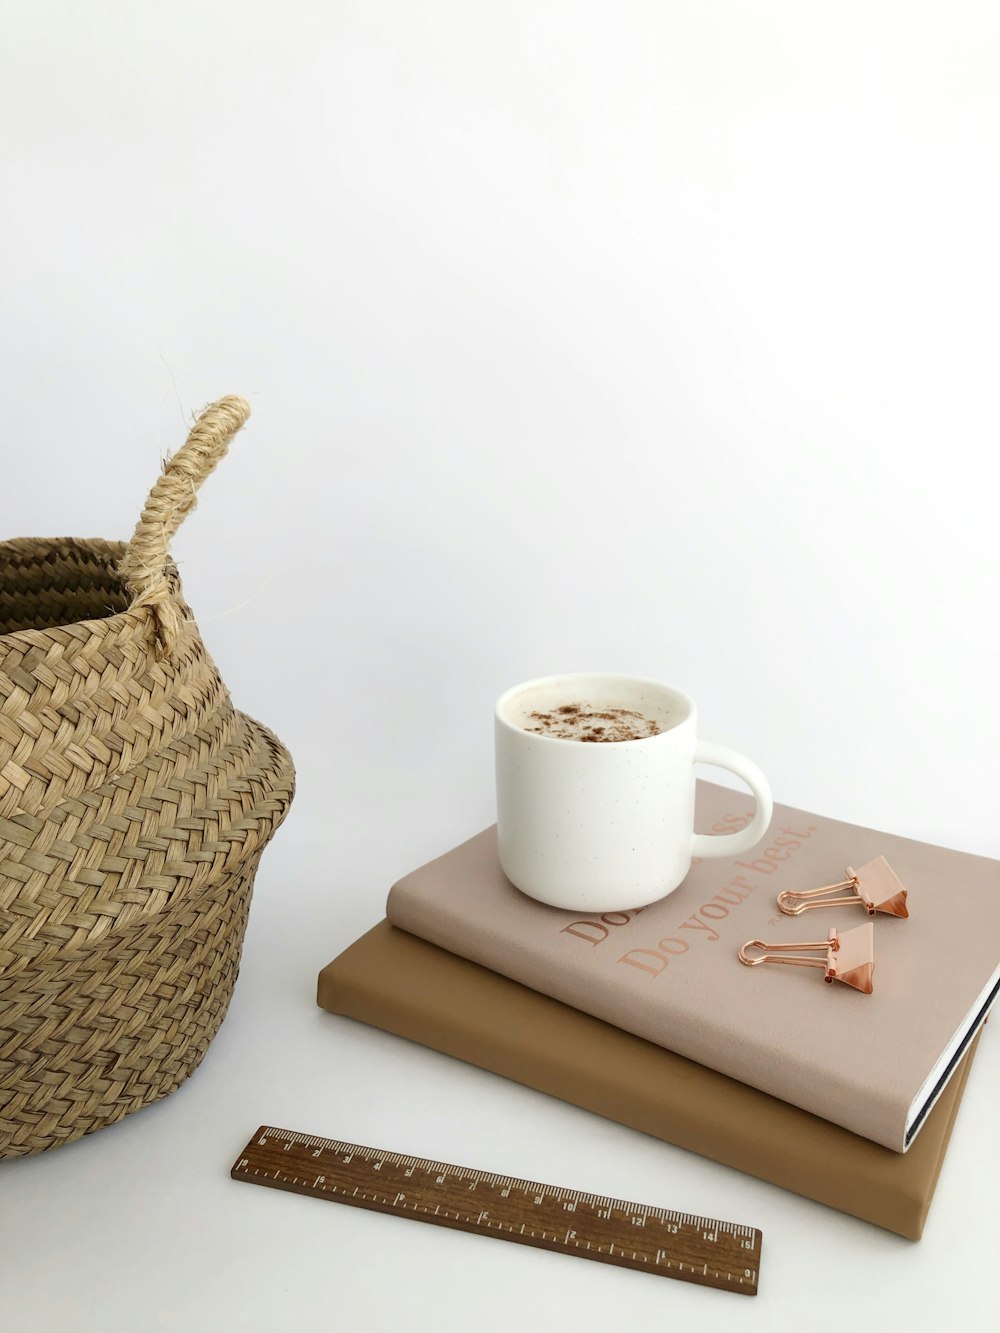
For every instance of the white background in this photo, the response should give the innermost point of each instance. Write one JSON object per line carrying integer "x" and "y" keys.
{"x": 650, "y": 337}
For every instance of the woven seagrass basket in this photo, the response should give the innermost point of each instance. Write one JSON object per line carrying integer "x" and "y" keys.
{"x": 134, "y": 806}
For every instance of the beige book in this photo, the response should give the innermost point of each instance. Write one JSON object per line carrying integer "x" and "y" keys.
{"x": 669, "y": 973}
{"x": 404, "y": 985}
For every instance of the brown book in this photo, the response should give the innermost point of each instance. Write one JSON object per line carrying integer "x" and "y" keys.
{"x": 400, "y": 983}
{"x": 669, "y": 972}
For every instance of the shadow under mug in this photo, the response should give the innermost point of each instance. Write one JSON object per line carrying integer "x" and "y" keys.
{"x": 608, "y": 826}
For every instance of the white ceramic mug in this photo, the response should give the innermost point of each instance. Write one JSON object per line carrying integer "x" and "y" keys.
{"x": 607, "y": 827}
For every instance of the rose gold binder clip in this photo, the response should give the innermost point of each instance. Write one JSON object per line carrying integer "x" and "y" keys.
{"x": 876, "y": 886}
{"x": 850, "y": 956}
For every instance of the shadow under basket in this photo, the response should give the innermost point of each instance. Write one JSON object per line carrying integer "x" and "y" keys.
{"x": 135, "y": 802}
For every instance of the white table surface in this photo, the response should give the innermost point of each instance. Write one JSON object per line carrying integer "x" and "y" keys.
{"x": 657, "y": 338}
{"x": 140, "y": 1226}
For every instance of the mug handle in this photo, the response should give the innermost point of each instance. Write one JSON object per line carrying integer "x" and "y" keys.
{"x": 731, "y": 844}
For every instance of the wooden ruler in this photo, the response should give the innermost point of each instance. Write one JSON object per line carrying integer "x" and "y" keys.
{"x": 612, "y": 1231}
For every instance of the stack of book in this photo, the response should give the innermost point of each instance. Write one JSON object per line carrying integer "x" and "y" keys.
{"x": 647, "y": 1016}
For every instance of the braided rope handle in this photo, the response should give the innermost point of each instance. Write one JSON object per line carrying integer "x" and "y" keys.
{"x": 144, "y": 566}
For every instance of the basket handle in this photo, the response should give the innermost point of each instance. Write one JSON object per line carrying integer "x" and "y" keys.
{"x": 144, "y": 566}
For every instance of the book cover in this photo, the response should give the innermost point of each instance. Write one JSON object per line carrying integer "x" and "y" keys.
{"x": 404, "y": 985}
{"x": 669, "y": 973}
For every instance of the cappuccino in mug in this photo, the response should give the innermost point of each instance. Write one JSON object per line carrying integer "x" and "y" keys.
{"x": 594, "y": 723}
{"x": 595, "y": 791}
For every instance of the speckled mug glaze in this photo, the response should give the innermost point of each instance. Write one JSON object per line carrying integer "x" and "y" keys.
{"x": 607, "y": 827}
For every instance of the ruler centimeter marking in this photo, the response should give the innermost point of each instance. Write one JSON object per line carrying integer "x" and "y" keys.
{"x": 611, "y": 1231}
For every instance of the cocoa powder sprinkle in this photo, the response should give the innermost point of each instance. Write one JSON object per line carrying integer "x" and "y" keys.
{"x": 580, "y": 722}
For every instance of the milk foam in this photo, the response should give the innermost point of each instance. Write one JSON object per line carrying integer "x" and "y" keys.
{"x": 594, "y": 723}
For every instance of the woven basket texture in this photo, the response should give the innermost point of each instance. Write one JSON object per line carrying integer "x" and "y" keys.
{"x": 135, "y": 802}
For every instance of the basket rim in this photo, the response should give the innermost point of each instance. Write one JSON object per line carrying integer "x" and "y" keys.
{"x": 132, "y": 617}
